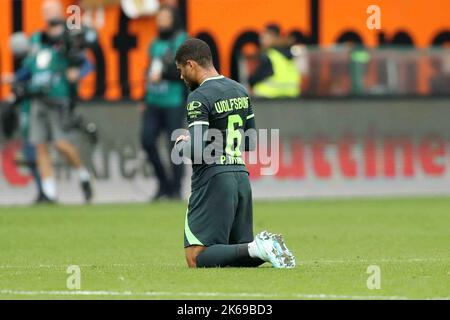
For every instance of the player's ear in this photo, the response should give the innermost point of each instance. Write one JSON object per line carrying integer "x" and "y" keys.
{"x": 190, "y": 64}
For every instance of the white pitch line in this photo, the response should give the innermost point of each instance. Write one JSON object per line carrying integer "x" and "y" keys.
{"x": 203, "y": 294}
{"x": 375, "y": 260}
{"x": 300, "y": 262}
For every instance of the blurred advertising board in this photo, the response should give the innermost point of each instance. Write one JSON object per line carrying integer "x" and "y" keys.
{"x": 328, "y": 148}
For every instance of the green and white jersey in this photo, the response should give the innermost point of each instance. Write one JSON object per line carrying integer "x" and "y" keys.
{"x": 222, "y": 104}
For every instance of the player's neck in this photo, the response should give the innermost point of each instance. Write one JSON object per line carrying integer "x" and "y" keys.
{"x": 209, "y": 73}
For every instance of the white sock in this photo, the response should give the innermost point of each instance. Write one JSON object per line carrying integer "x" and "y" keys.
{"x": 49, "y": 188}
{"x": 253, "y": 250}
{"x": 83, "y": 174}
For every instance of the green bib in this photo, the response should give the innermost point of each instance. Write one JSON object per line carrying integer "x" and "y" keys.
{"x": 48, "y": 70}
{"x": 169, "y": 94}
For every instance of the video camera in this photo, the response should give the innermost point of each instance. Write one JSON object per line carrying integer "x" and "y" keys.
{"x": 76, "y": 41}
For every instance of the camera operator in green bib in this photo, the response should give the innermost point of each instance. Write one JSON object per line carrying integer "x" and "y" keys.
{"x": 51, "y": 73}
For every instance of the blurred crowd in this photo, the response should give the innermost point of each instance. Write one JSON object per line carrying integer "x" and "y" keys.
{"x": 282, "y": 67}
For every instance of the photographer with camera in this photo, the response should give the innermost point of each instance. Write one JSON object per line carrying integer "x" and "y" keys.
{"x": 50, "y": 70}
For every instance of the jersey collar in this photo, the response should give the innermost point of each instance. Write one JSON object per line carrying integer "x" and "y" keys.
{"x": 212, "y": 78}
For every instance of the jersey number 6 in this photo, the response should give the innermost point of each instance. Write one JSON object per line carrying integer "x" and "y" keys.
{"x": 234, "y": 136}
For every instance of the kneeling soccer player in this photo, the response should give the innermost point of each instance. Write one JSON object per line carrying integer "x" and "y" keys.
{"x": 219, "y": 219}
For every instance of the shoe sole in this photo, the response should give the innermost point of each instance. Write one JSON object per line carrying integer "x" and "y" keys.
{"x": 283, "y": 257}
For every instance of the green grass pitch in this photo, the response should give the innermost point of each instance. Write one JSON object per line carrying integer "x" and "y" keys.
{"x": 135, "y": 251}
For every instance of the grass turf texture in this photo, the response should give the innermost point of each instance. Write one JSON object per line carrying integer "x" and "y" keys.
{"x": 135, "y": 251}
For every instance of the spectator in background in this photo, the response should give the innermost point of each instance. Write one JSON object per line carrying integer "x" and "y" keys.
{"x": 359, "y": 64}
{"x": 439, "y": 81}
{"x": 164, "y": 100}
{"x": 276, "y": 75}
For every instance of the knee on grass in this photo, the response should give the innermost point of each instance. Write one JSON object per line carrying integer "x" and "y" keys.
{"x": 192, "y": 253}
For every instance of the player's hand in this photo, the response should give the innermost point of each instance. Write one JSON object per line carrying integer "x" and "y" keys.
{"x": 182, "y": 138}
{"x": 155, "y": 77}
{"x": 141, "y": 107}
{"x": 73, "y": 74}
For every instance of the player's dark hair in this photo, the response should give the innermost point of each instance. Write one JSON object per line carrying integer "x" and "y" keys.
{"x": 196, "y": 50}
{"x": 274, "y": 28}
